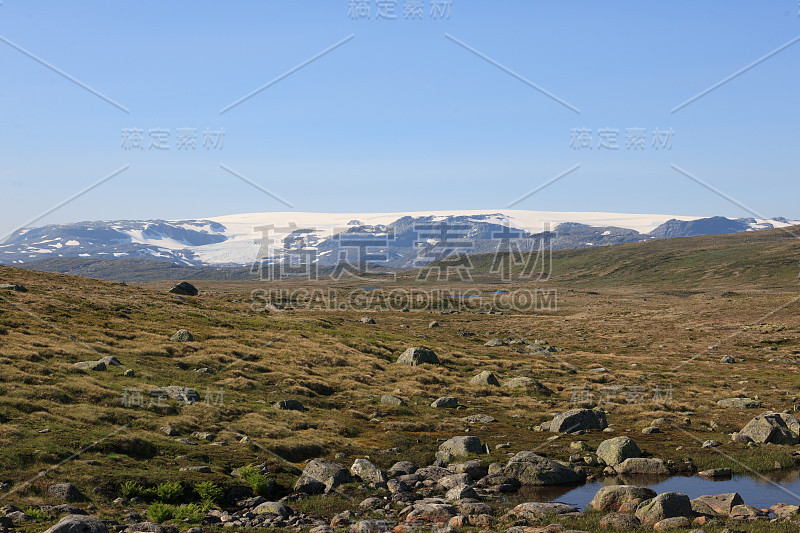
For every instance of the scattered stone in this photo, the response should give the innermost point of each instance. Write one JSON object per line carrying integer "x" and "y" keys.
{"x": 367, "y": 472}
{"x": 531, "y": 469}
{"x": 12, "y": 287}
{"x": 78, "y": 524}
{"x": 479, "y": 419}
{"x": 445, "y": 402}
{"x": 665, "y": 505}
{"x": 578, "y": 420}
{"x": 433, "y": 324}
{"x": 741, "y": 403}
{"x": 495, "y": 343}
{"x": 727, "y": 359}
{"x": 416, "y": 356}
{"x": 619, "y": 521}
{"x": 96, "y": 366}
{"x": 775, "y": 428}
{"x": 276, "y": 508}
{"x": 184, "y": 288}
{"x": 711, "y": 444}
{"x": 372, "y": 526}
{"x": 367, "y": 320}
{"x": 540, "y": 508}
{"x": 391, "y": 399}
{"x": 463, "y": 445}
{"x": 676, "y": 522}
{"x": 527, "y": 383}
{"x": 401, "y": 468}
{"x": 176, "y": 392}
{"x": 722, "y": 503}
{"x": 461, "y": 492}
{"x": 649, "y": 430}
{"x": 182, "y": 335}
{"x": 321, "y": 475}
{"x": 485, "y": 378}
{"x": 65, "y": 492}
{"x": 289, "y": 405}
{"x": 616, "y": 450}
{"x": 716, "y": 472}
{"x": 642, "y": 465}
{"x": 620, "y": 498}
{"x": 202, "y": 469}
{"x": 129, "y": 373}
{"x": 746, "y": 512}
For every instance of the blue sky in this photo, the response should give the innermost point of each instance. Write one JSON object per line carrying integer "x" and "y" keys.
{"x": 398, "y": 118}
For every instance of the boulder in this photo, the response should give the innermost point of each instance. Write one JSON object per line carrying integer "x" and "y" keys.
{"x": 76, "y": 523}
{"x": 182, "y": 335}
{"x": 401, "y": 468}
{"x": 665, "y": 505}
{"x": 676, "y": 522}
{"x": 276, "y": 508}
{"x": 641, "y": 465}
{"x": 620, "y": 498}
{"x": 534, "y": 385}
{"x": 461, "y": 492}
{"x": 616, "y": 450}
{"x": 578, "y": 420}
{"x": 619, "y": 521}
{"x": 746, "y": 512}
{"x": 96, "y": 366}
{"x": 65, "y": 492}
{"x": 485, "y": 378}
{"x": 479, "y": 419}
{"x": 367, "y": 320}
{"x": 545, "y": 508}
{"x": 110, "y": 360}
{"x": 289, "y": 405}
{"x": 321, "y": 475}
{"x": 12, "y": 287}
{"x": 727, "y": 359}
{"x": 182, "y": 394}
{"x": 445, "y": 402}
{"x": 372, "y": 526}
{"x": 431, "y": 511}
{"x": 741, "y": 403}
{"x": 775, "y": 428}
{"x": 464, "y": 445}
{"x": 184, "y": 288}
{"x": 416, "y": 356}
{"x": 367, "y": 472}
{"x": 391, "y": 399}
{"x": 493, "y": 343}
{"x": 722, "y": 503}
{"x": 531, "y": 469}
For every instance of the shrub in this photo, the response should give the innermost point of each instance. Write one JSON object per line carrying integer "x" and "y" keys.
{"x": 257, "y": 481}
{"x": 160, "y": 512}
{"x": 192, "y": 512}
{"x": 169, "y": 492}
{"x": 129, "y": 489}
{"x": 36, "y": 513}
{"x": 209, "y": 492}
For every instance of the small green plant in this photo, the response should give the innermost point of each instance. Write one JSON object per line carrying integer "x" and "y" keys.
{"x": 169, "y": 492}
{"x": 36, "y": 513}
{"x": 257, "y": 481}
{"x": 130, "y": 489}
{"x": 160, "y": 512}
{"x": 209, "y": 492}
{"x": 192, "y": 512}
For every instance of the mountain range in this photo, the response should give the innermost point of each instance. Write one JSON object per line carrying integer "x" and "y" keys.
{"x": 395, "y": 240}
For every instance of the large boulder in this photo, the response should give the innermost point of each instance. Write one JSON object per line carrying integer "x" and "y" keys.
{"x": 431, "y": 511}
{"x": 445, "y": 402}
{"x": 182, "y": 335}
{"x": 531, "y": 469}
{"x": 97, "y": 366}
{"x": 741, "y": 403}
{"x": 614, "y": 451}
{"x": 619, "y": 521}
{"x": 275, "y": 508}
{"x": 65, "y": 492}
{"x": 416, "y": 356}
{"x": 578, "y": 420}
{"x": 460, "y": 446}
{"x": 775, "y": 428}
{"x": 620, "y": 498}
{"x": 367, "y": 472}
{"x": 76, "y": 523}
{"x": 321, "y": 475}
{"x": 665, "y": 505}
{"x": 643, "y": 465}
{"x": 184, "y": 288}
{"x": 721, "y": 503}
{"x": 531, "y": 384}
{"x": 485, "y": 378}
{"x": 12, "y": 287}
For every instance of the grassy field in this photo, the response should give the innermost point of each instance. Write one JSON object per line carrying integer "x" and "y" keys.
{"x": 656, "y": 316}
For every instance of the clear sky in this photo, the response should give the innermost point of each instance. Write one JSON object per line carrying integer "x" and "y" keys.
{"x": 407, "y": 114}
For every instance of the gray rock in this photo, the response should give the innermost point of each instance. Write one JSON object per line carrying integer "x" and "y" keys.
{"x": 289, "y": 405}
{"x": 401, "y": 468}
{"x": 642, "y": 465}
{"x": 493, "y": 343}
{"x": 367, "y": 472}
{"x": 741, "y": 403}
{"x": 462, "y": 445}
{"x": 620, "y": 498}
{"x": 542, "y": 508}
{"x": 578, "y": 420}
{"x": 461, "y": 492}
{"x": 372, "y": 526}
{"x": 78, "y": 524}
{"x": 614, "y": 451}
{"x": 619, "y": 521}
{"x": 129, "y": 373}
{"x": 416, "y": 356}
{"x": 665, "y": 505}
{"x": 182, "y": 335}
{"x": 711, "y": 444}
{"x": 479, "y": 419}
{"x": 97, "y": 366}
{"x": 184, "y": 288}
{"x": 485, "y": 378}
{"x": 12, "y": 287}
{"x": 182, "y": 394}
{"x": 110, "y": 360}
{"x": 367, "y": 320}
{"x": 727, "y": 359}
{"x": 775, "y": 428}
{"x": 391, "y": 399}
{"x": 321, "y": 475}
{"x": 473, "y": 468}
{"x": 531, "y": 469}
{"x": 275, "y": 508}
{"x": 716, "y": 472}
{"x": 722, "y": 503}
{"x": 203, "y": 469}
{"x": 433, "y": 324}
{"x": 66, "y": 492}
{"x": 531, "y": 384}
{"x": 445, "y": 402}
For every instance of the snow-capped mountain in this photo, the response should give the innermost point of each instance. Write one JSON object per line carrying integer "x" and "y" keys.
{"x": 326, "y": 239}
